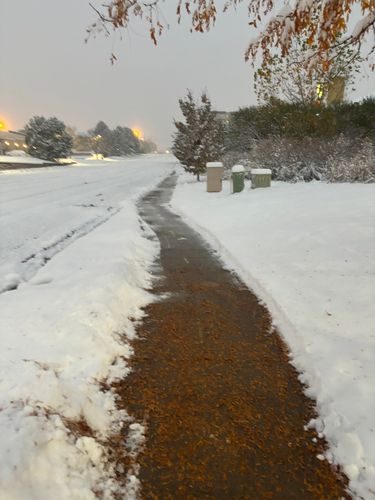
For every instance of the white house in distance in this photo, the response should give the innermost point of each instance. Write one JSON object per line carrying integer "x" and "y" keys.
{"x": 10, "y": 141}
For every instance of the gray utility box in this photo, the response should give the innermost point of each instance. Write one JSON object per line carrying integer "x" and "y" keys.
{"x": 260, "y": 178}
{"x": 215, "y": 172}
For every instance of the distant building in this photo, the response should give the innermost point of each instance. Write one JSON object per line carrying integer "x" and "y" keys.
{"x": 223, "y": 116}
{"x": 336, "y": 90}
{"x": 10, "y": 141}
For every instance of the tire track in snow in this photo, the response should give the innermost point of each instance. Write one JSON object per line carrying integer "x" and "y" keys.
{"x": 58, "y": 189}
{"x": 31, "y": 264}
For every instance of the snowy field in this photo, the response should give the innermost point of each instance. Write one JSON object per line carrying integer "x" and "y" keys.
{"x": 74, "y": 260}
{"x": 307, "y": 250}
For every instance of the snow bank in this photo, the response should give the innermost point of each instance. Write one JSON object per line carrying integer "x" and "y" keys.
{"x": 22, "y": 159}
{"x": 307, "y": 252}
{"x": 63, "y": 328}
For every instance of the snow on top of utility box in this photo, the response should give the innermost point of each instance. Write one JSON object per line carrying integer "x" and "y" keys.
{"x": 238, "y": 168}
{"x": 260, "y": 171}
{"x": 212, "y": 164}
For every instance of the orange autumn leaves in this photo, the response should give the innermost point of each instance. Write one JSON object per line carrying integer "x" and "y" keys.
{"x": 323, "y": 22}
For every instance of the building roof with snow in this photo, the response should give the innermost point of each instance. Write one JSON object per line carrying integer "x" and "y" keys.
{"x": 10, "y": 140}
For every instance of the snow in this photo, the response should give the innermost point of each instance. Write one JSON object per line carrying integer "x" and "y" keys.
{"x": 237, "y": 169}
{"x": 307, "y": 251}
{"x": 214, "y": 164}
{"x": 285, "y": 11}
{"x": 363, "y": 24}
{"x": 21, "y": 159}
{"x": 17, "y": 152}
{"x": 75, "y": 261}
{"x": 259, "y": 171}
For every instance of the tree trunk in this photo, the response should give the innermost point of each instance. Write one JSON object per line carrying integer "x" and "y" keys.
{"x": 198, "y": 179}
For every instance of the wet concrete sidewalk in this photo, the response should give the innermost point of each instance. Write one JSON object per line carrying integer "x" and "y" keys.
{"x": 224, "y": 409}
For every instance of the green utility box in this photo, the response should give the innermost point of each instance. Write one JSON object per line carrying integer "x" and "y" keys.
{"x": 238, "y": 178}
{"x": 260, "y": 178}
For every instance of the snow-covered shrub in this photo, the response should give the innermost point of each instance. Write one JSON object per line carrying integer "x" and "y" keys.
{"x": 236, "y": 158}
{"x": 338, "y": 159}
{"x": 359, "y": 166}
{"x": 290, "y": 160}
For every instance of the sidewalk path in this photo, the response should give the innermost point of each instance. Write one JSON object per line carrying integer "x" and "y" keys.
{"x": 224, "y": 408}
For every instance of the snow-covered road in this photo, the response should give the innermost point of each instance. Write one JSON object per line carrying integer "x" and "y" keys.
{"x": 43, "y": 211}
{"x": 74, "y": 265}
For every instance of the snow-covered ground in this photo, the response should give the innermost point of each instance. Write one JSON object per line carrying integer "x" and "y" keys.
{"x": 307, "y": 250}
{"x": 74, "y": 263}
{"x": 22, "y": 159}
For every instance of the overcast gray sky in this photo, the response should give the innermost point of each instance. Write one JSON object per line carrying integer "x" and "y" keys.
{"x": 47, "y": 69}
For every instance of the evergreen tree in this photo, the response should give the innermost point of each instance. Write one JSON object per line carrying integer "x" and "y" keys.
{"x": 47, "y": 138}
{"x": 185, "y": 137}
{"x": 199, "y": 139}
{"x": 148, "y": 146}
{"x": 118, "y": 142}
{"x": 130, "y": 143}
{"x": 101, "y": 139}
{"x": 118, "y": 147}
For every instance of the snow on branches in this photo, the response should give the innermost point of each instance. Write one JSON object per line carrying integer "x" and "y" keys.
{"x": 335, "y": 159}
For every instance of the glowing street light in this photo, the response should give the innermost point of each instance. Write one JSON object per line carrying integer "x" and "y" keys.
{"x": 2, "y": 125}
{"x": 138, "y": 133}
{"x": 319, "y": 91}
{"x": 96, "y": 143}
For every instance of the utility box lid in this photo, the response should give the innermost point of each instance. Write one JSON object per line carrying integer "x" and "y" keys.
{"x": 238, "y": 168}
{"x": 214, "y": 164}
{"x": 261, "y": 171}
